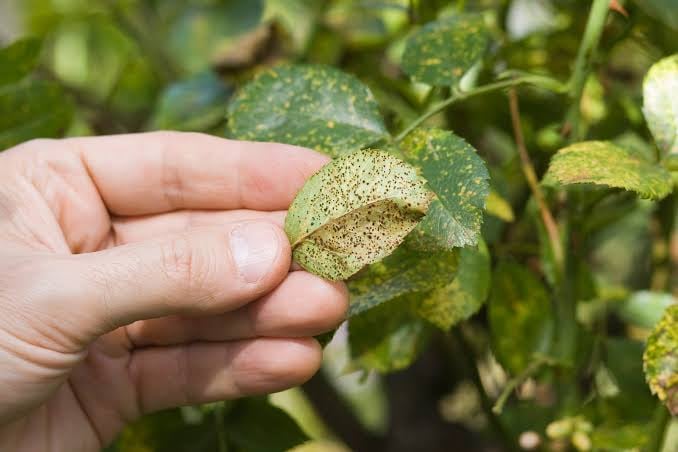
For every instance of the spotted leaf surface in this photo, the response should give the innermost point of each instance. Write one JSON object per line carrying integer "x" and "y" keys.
{"x": 355, "y": 211}
{"x": 603, "y": 163}
{"x": 441, "y": 52}
{"x": 459, "y": 178}
{"x": 465, "y": 295}
{"x": 660, "y": 103}
{"x": 315, "y": 106}
{"x": 520, "y": 316}
{"x": 18, "y": 59}
{"x": 660, "y": 360}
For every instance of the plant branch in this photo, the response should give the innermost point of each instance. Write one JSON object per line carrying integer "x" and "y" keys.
{"x": 582, "y": 65}
{"x": 516, "y": 381}
{"x": 537, "y": 80}
{"x": 533, "y": 182}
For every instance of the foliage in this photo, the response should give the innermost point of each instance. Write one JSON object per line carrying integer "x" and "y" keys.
{"x": 502, "y": 200}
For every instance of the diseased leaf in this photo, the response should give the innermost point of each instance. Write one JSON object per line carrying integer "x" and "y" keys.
{"x": 355, "y": 211}
{"x": 315, "y": 106}
{"x": 18, "y": 59}
{"x": 465, "y": 295}
{"x": 520, "y": 316}
{"x": 403, "y": 272}
{"x": 254, "y": 425}
{"x": 390, "y": 336}
{"x": 459, "y": 178}
{"x": 32, "y": 109}
{"x": 660, "y": 360}
{"x": 441, "y": 52}
{"x": 498, "y": 207}
{"x": 660, "y": 103}
{"x": 195, "y": 104}
{"x": 603, "y": 163}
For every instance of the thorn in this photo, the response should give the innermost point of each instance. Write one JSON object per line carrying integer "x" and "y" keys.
{"x": 616, "y": 6}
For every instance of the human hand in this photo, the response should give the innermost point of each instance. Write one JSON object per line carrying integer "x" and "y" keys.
{"x": 142, "y": 272}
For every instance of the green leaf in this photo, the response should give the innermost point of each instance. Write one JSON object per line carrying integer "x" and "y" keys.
{"x": 660, "y": 103}
{"x": 403, "y": 272}
{"x": 660, "y": 360}
{"x": 388, "y": 337}
{"x": 603, "y": 163}
{"x": 441, "y": 52}
{"x": 465, "y": 295}
{"x": 662, "y": 10}
{"x": 254, "y": 425}
{"x": 498, "y": 207}
{"x": 645, "y": 308}
{"x": 613, "y": 437}
{"x": 520, "y": 316}
{"x": 353, "y": 212}
{"x": 18, "y": 59}
{"x": 32, "y": 109}
{"x": 194, "y": 104}
{"x": 459, "y": 178}
{"x": 315, "y": 106}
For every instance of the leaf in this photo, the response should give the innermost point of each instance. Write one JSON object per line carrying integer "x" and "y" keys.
{"x": 315, "y": 106}
{"x": 459, "y": 178}
{"x": 254, "y": 425}
{"x": 660, "y": 360}
{"x": 195, "y": 104}
{"x": 18, "y": 60}
{"x": 32, "y": 109}
{"x": 403, "y": 272}
{"x": 603, "y": 163}
{"x": 388, "y": 337}
{"x": 520, "y": 316}
{"x": 353, "y": 212}
{"x": 441, "y": 52}
{"x": 645, "y": 308}
{"x": 660, "y": 104}
{"x": 662, "y": 10}
{"x": 465, "y": 295}
{"x": 613, "y": 437}
{"x": 498, "y": 207}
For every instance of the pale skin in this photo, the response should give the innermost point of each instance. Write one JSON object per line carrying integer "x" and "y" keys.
{"x": 143, "y": 272}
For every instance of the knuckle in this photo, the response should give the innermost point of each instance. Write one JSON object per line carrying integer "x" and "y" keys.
{"x": 189, "y": 266}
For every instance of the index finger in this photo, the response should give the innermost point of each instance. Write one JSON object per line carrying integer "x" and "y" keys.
{"x": 155, "y": 172}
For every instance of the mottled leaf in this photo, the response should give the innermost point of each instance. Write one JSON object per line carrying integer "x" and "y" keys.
{"x": 459, "y": 178}
{"x": 195, "y": 104}
{"x": 441, "y": 52}
{"x": 390, "y": 336}
{"x": 18, "y": 59}
{"x": 520, "y": 316}
{"x": 660, "y": 103}
{"x": 32, "y": 109}
{"x": 465, "y": 295}
{"x": 498, "y": 207}
{"x": 254, "y": 425}
{"x": 603, "y": 163}
{"x": 315, "y": 106}
{"x": 660, "y": 360}
{"x": 403, "y": 272}
{"x": 645, "y": 308}
{"x": 355, "y": 211}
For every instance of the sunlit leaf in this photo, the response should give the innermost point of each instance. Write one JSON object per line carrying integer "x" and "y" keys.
{"x": 645, "y": 308}
{"x": 459, "y": 178}
{"x": 308, "y": 105}
{"x": 354, "y": 211}
{"x": 443, "y": 51}
{"x": 520, "y": 316}
{"x": 660, "y": 360}
{"x": 603, "y": 163}
{"x": 32, "y": 109}
{"x": 194, "y": 104}
{"x": 660, "y": 103}
{"x": 465, "y": 295}
{"x": 498, "y": 207}
{"x": 18, "y": 59}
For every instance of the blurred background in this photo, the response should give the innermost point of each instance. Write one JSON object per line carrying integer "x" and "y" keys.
{"x": 136, "y": 65}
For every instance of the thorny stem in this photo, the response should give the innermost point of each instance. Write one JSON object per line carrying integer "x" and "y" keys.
{"x": 582, "y": 65}
{"x": 516, "y": 381}
{"x": 533, "y": 182}
{"x": 537, "y": 80}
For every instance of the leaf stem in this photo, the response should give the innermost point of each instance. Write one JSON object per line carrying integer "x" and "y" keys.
{"x": 587, "y": 47}
{"x": 220, "y": 427}
{"x": 537, "y": 80}
{"x": 516, "y": 381}
{"x": 533, "y": 182}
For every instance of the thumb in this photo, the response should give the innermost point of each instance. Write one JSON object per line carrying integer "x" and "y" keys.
{"x": 205, "y": 270}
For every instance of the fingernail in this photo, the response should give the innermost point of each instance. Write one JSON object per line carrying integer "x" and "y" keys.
{"x": 254, "y": 247}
